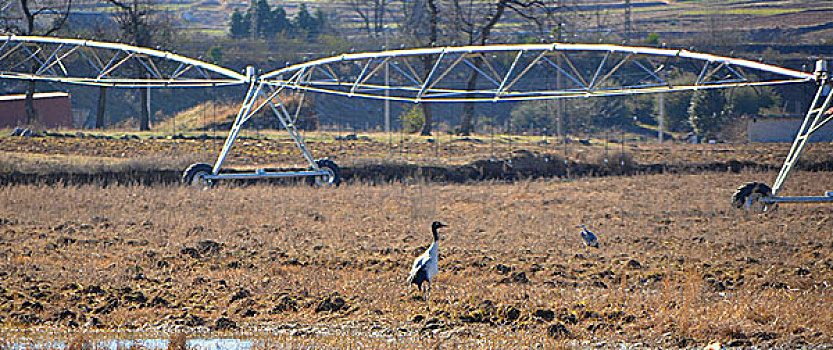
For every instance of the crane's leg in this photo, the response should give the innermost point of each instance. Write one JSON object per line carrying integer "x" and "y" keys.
{"x": 428, "y": 296}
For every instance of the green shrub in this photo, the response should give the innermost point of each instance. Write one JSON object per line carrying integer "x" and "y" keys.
{"x": 412, "y": 119}
{"x": 652, "y": 39}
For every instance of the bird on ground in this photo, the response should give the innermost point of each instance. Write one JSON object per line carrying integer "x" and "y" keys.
{"x": 589, "y": 238}
{"x": 426, "y": 265}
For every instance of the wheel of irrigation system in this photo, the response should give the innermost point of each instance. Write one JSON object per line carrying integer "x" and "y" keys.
{"x": 751, "y": 196}
{"x": 195, "y": 175}
{"x": 333, "y": 177}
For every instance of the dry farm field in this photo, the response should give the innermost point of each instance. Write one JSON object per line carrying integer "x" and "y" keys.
{"x": 678, "y": 267}
{"x": 84, "y": 152}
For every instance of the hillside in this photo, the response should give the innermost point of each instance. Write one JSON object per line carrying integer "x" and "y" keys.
{"x": 794, "y": 21}
{"x": 787, "y": 33}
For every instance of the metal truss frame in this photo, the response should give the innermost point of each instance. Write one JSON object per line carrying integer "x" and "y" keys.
{"x": 88, "y": 62}
{"x": 520, "y": 73}
{"x": 504, "y": 73}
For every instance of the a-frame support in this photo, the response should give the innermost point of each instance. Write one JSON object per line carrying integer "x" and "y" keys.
{"x": 259, "y": 96}
{"x": 758, "y": 196}
{"x": 817, "y": 116}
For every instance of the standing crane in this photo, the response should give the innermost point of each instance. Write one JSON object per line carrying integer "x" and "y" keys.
{"x": 426, "y": 266}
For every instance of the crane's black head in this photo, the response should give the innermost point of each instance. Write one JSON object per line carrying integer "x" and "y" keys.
{"x": 434, "y": 227}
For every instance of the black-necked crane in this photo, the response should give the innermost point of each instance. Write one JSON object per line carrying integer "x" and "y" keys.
{"x": 589, "y": 238}
{"x": 426, "y": 265}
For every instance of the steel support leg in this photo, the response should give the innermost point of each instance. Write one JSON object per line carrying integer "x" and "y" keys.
{"x": 813, "y": 121}
{"x": 286, "y": 120}
{"x": 243, "y": 115}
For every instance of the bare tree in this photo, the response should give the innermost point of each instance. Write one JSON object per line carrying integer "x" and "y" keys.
{"x": 475, "y": 20}
{"x": 422, "y": 28}
{"x": 103, "y": 29}
{"x": 141, "y": 26}
{"x": 40, "y": 18}
{"x": 372, "y": 13}
{"x": 133, "y": 21}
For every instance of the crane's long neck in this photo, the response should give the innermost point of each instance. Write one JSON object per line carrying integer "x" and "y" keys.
{"x": 433, "y": 248}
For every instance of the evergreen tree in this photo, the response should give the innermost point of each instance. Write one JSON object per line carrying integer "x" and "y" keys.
{"x": 706, "y": 112}
{"x": 304, "y": 21}
{"x": 320, "y": 21}
{"x": 263, "y": 13}
{"x": 676, "y": 111}
{"x": 238, "y": 26}
{"x": 749, "y": 101}
{"x": 269, "y": 22}
{"x": 280, "y": 22}
{"x": 536, "y": 114}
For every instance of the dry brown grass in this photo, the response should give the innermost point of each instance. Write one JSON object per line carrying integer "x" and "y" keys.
{"x": 81, "y": 342}
{"x": 276, "y": 149}
{"x": 199, "y": 117}
{"x": 677, "y": 265}
{"x": 50, "y": 164}
{"x": 178, "y": 341}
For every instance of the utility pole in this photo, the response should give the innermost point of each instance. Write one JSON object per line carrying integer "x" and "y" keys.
{"x": 628, "y": 25}
{"x": 559, "y": 78}
{"x": 102, "y": 104}
{"x": 661, "y": 116}
{"x": 387, "y": 81}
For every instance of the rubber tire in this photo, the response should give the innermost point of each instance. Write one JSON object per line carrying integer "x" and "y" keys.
{"x": 190, "y": 175}
{"x": 326, "y": 164}
{"x": 753, "y": 188}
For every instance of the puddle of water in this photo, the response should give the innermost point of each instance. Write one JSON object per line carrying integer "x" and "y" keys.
{"x": 280, "y": 337}
{"x": 201, "y": 344}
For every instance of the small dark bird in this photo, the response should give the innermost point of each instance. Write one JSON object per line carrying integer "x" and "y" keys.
{"x": 589, "y": 238}
{"x": 426, "y": 265}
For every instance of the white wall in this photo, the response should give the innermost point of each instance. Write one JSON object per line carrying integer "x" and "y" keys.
{"x": 783, "y": 130}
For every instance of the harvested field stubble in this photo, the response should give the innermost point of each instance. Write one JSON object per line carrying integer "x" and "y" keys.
{"x": 276, "y": 149}
{"x": 105, "y": 160}
{"x": 677, "y": 265}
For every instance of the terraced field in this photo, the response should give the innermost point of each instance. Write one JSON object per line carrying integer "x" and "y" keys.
{"x": 587, "y": 19}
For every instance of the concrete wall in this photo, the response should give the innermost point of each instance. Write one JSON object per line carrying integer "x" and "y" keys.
{"x": 783, "y": 130}
{"x": 54, "y": 110}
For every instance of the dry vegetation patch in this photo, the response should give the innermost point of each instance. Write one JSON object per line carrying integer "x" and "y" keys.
{"x": 275, "y": 148}
{"x": 677, "y": 266}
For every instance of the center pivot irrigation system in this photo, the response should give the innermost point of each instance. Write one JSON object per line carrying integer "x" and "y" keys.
{"x": 484, "y": 74}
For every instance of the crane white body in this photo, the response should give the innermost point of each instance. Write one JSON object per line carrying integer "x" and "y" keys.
{"x": 428, "y": 261}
